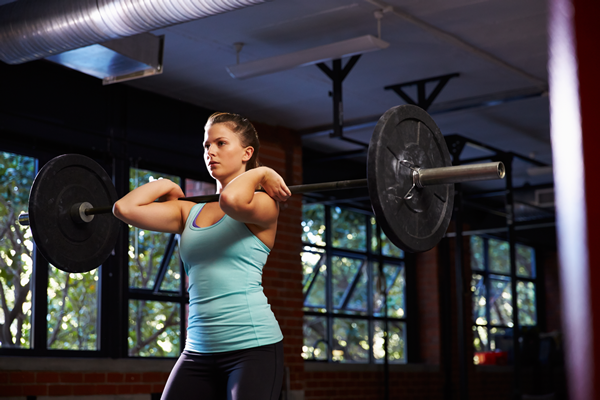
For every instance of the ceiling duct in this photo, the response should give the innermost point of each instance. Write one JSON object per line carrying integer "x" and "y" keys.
{"x": 34, "y": 29}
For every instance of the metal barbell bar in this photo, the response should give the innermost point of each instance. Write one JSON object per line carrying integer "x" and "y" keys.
{"x": 410, "y": 180}
{"x": 422, "y": 177}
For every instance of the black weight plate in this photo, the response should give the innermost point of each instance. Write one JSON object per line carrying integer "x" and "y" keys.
{"x": 61, "y": 183}
{"x": 408, "y": 133}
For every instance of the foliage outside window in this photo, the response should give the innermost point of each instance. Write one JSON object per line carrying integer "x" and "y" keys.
{"x": 350, "y": 270}
{"x": 492, "y": 297}
{"x": 73, "y": 310}
{"x": 72, "y": 299}
{"x": 16, "y": 251}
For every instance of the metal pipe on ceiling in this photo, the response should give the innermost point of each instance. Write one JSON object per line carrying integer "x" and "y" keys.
{"x": 34, "y": 29}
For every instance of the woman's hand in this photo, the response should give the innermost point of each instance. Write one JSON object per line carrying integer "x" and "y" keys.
{"x": 274, "y": 185}
{"x": 241, "y": 202}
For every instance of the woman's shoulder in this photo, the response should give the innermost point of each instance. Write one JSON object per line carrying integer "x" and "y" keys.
{"x": 186, "y": 209}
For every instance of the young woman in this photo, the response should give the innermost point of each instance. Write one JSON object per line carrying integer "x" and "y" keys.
{"x": 233, "y": 349}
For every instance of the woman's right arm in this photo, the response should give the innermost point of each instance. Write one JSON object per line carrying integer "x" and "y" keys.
{"x": 139, "y": 208}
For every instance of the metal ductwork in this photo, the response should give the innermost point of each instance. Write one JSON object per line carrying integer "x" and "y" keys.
{"x": 34, "y": 29}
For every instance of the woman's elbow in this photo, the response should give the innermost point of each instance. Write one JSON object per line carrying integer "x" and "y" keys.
{"x": 231, "y": 203}
{"x": 120, "y": 210}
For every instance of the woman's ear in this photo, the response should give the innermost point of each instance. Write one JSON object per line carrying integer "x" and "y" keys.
{"x": 248, "y": 152}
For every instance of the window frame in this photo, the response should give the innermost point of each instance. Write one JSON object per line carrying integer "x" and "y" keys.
{"x": 512, "y": 276}
{"x": 373, "y": 260}
{"x": 114, "y": 291}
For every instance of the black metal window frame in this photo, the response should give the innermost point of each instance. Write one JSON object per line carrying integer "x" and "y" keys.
{"x": 374, "y": 260}
{"x": 512, "y": 277}
{"x": 114, "y": 291}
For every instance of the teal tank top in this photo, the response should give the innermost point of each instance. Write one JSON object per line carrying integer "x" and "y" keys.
{"x": 228, "y": 309}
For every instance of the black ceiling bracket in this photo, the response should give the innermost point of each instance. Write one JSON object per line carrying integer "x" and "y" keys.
{"x": 423, "y": 100}
{"x": 337, "y": 74}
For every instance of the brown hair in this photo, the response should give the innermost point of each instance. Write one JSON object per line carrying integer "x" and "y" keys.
{"x": 241, "y": 127}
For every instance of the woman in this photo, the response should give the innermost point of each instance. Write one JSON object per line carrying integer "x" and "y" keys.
{"x": 233, "y": 349}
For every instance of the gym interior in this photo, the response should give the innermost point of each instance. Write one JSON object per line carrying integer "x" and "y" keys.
{"x": 499, "y": 305}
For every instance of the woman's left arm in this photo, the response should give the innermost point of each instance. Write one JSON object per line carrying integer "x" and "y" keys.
{"x": 241, "y": 202}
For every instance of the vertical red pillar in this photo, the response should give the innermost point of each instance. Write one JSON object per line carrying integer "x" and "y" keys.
{"x": 574, "y": 40}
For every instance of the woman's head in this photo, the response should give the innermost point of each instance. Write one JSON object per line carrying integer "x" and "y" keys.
{"x": 244, "y": 130}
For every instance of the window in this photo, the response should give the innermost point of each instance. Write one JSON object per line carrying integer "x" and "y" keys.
{"x": 492, "y": 295}
{"x": 67, "y": 309}
{"x": 354, "y": 288}
{"x": 16, "y": 251}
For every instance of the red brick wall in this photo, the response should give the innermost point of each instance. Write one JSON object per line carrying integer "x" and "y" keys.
{"x": 282, "y": 276}
{"x": 369, "y": 385}
{"x": 57, "y": 383}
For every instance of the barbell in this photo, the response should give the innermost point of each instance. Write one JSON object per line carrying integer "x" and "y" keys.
{"x": 409, "y": 177}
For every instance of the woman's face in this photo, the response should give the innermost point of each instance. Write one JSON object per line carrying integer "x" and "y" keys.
{"x": 224, "y": 155}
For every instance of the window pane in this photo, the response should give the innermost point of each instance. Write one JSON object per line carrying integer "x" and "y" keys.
{"x": 16, "y": 251}
{"x": 311, "y": 261}
{"x": 146, "y": 248}
{"x": 525, "y": 261}
{"x": 313, "y": 224}
{"x": 501, "y": 311}
{"x": 501, "y": 339}
{"x": 199, "y": 188}
{"x": 388, "y": 248}
{"x": 315, "y": 338}
{"x": 153, "y": 329}
{"x": 478, "y": 296}
{"x": 395, "y": 286}
{"x": 480, "y": 338}
{"x": 477, "y": 254}
{"x": 172, "y": 278}
{"x": 526, "y": 303}
{"x": 349, "y": 282}
{"x": 374, "y": 237}
{"x": 396, "y": 342}
{"x": 499, "y": 256}
{"x": 72, "y": 310}
{"x": 315, "y": 280}
{"x": 348, "y": 229}
{"x": 350, "y": 340}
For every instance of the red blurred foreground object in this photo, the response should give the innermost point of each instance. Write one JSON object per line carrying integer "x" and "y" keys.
{"x": 491, "y": 358}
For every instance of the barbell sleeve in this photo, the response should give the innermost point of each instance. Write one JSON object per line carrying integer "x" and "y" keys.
{"x": 459, "y": 173}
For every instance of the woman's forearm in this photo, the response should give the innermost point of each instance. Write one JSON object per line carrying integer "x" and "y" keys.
{"x": 146, "y": 194}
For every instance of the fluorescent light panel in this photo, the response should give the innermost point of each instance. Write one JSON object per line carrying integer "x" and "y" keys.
{"x": 346, "y": 48}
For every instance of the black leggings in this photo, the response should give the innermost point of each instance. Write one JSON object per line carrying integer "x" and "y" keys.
{"x": 249, "y": 374}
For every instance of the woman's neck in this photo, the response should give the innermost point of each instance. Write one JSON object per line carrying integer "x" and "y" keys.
{"x": 221, "y": 183}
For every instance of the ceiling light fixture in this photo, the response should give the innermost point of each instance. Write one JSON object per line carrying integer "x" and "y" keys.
{"x": 333, "y": 51}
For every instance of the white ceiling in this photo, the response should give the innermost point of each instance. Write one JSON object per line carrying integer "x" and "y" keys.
{"x": 498, "y": 47}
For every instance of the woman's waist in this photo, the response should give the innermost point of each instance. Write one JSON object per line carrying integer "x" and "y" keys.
{"x": 214, "y": 303}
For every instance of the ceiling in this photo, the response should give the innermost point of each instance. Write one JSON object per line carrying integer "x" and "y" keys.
{"x": 498, "y": 48}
